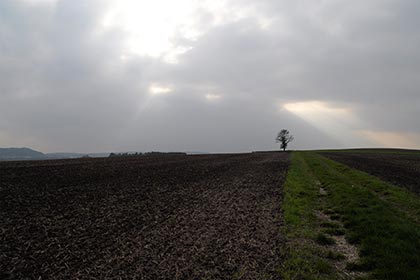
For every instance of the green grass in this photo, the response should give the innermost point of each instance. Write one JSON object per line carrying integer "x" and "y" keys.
{"x": 381, "y": 219}
{"x": 334, "y": 231}
{"x": 324, "y": 239}
{"x": 335, "y": 256}
{"x": 305, "y": 259}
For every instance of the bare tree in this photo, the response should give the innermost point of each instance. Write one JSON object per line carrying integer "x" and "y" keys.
{"x": 284, "y": 137}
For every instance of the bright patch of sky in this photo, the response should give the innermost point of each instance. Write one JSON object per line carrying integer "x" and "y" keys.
{"x": 157, "y": 89}
{"x": 166, "y": 29}
{"x": 100, "y": 75}
{"x": 338, "y": 122}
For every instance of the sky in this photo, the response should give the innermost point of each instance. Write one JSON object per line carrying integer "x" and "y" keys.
{"x": 208, "y": 75}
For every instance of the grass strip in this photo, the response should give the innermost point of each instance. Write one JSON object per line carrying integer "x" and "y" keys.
{"x": 397, "y": 197}
{"x": 388, "y": 237}
{"x": 305, "y": 258}
{"x": 382, "y": 219}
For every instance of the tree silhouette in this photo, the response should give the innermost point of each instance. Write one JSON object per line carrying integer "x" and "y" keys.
{"x": 284, "y": 138}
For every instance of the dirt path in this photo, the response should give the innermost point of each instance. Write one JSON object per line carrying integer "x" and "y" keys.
{"x": 207, "y": 217}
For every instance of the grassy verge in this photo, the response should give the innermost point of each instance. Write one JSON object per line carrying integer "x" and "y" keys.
{"x": 398, "y": 198}
{"x": 381, "y": 219}
{"x": 305, "y": 259}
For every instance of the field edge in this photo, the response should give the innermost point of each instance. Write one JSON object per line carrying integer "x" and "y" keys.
{"x": 376, "y": 217}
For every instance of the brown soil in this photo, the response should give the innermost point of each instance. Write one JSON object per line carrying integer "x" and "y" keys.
{"x": 399, "y": 169}
{"x": 181, "y": 217}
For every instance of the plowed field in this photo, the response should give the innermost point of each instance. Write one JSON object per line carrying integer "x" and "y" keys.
{"x": 183, "y": 217}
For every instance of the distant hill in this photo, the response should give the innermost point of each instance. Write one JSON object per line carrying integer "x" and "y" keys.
{"x": 20, "y": 154}
{"x": 29, "y": 154}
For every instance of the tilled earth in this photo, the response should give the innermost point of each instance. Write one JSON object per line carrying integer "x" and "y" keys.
{"x": 181, "y": 217}
{"x": 400, "y": 169}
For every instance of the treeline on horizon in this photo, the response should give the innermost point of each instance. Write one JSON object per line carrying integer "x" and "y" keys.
{"x": 137, "y": 154}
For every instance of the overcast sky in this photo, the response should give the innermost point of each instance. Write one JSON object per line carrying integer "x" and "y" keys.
{"x": 211, "y": 76}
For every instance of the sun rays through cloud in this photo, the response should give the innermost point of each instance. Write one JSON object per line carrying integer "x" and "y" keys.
{"x": 393, "y": 139}
{"x": 337, "y": 122}
{"x": 72, "y": 71}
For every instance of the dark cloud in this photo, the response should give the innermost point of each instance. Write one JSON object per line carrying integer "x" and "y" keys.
{"x": 65, "y": 86}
